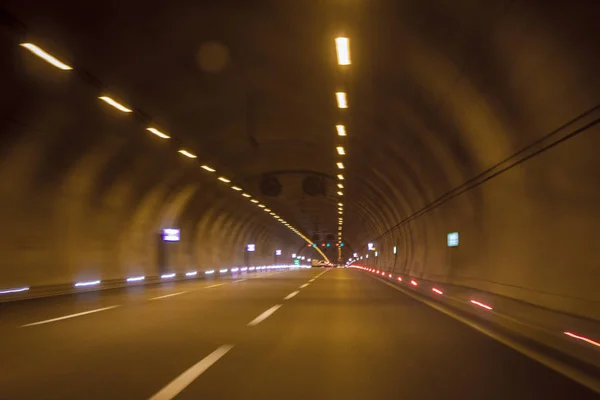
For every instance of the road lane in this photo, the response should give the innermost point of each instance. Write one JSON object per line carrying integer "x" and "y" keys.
{"x": 350, "y": 336}
{"x": 136, "y": 349}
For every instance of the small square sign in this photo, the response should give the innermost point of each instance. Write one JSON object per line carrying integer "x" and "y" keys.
{"x": 251, "y": 248}
{"x": 453, "y": 239}
{"x": 171, "y": 235}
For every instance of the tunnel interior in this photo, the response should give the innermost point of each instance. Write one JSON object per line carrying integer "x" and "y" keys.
{"x": 471, "y": 118}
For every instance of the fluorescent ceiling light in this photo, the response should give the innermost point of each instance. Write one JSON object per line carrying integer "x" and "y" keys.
{"x": 223, "y": 179}
{"x": 340, "y": 165}
{"x": 158, "y": 133}
{"x": 236, "y": 188}
{"x": 115, "y": 104}
{"x": 261, "y": 205}
{"x": 342, "y": 46}
{"x": 340, "y": 150}
{"x": 209, "y": 169}
{"x": 340, "y": 193}
{"x": 246, "y": 195}
{"x": 340, "y": 185}
{"x": 187, "y": 153}
{"x": 45, "y": 56}
{"x": 341, "y": 130}
{"x": 341, "y": 100}
{"x": 340, "y": 177}
{"x": 254, "y": 201}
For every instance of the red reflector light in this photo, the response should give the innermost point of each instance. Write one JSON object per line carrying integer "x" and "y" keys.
{"x": 390, "y": 275}
{"x": 587, "y": 340}
{"x": 438, "y": 291}
{"x": 400, "y": 278}
{"x": 413, "y": 282}
{"x": 477, "y": 303}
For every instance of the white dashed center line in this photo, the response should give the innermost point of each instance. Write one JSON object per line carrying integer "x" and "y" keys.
{"x": 264, "y": 315}
{"x": 167, "y": 295}
{"x": 289, "y": 296}
{"x": 182, "y": 381}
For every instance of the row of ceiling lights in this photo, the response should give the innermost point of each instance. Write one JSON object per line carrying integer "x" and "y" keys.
{"x": 112, "y": 102}
{"x": 342, "y": 45}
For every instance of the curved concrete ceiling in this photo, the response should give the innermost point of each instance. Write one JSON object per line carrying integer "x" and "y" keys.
{"x": 451, "y": 108}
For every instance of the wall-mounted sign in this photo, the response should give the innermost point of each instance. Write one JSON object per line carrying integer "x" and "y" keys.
{"x": 277, "y": 252}
{"x": 395, "y": 250}
{"x": 453, "y": 239}
{"x": 171, "y": 235}
{"x": 251, "y": 248}
{"x": 371, "y": 246}
{"x": 294, "y": 255}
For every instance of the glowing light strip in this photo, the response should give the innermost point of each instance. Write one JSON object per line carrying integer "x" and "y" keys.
{"x": 481, "y": 304}
{"x": 341, "y": 100}
{"x": 223, "y": 179}
{"x": 438, "y": 291}
{"x": 115, "y": 104}
{"x": 158, "y": 133}
{"x": 209, "y": 169}
{"x": 413, "y": 282}
{"x": 222, "y": 271}
{"x": 341, "y": 130}
{"x": 136, "y": 278}
{"x": 14, "y": 290}
{"x": 209, "y": 272}
{"x": 168, "y": 276}
{"x": 193, "y": 273}
{"x": 342, "y": 45}
{"x": 187, "y": 153}
{"x": 587, "y": 340}
{"x": 88, "y": 283}
{"x": 46, "y": 57}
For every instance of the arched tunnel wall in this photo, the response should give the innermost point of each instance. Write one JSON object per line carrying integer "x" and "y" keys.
{"x": 474, "y": 87}
{"x": 84, "y": 197}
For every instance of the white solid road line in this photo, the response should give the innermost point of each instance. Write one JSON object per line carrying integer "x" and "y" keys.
{"x": 264, "y": 315}
{"x": 182, "y": 381}
{"x": 289, "y": 296}
{"x": 303, "y": 286}
{"x": 211, "y": 286}
{"x": 69, "y": 316}
{"x": 167, "y": 295}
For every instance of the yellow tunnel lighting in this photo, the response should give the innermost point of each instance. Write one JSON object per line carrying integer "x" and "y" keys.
{"x": 236, "y": 188}
{"x": 254, "y": 201}
{"x": 341, "y": 130}
{"x": 158, "y": 133}
{"x": 46, "y": 57}
{"x": 340, "y": 212}
{"x": 187, "y": 153}
{"x": 223, "y": 179}
{"x": 115, "y": 104}
{"x": 341, "y": 99}
{"x": 272, "y": 213}
{"x": 267, "y": 210}
{"x": 246, "y": 195}
{"x": 261, "y": 205}
{"x": 340, "y": 177}
{"x": 341, "y": 204}
{"x": 340, "y": 165}
{"x": 209, "y": 169}
{"x": 340, "y": 150}
{"x": 340, "y": 193}
{"x": 342, "y": 45}
{"x": 340, "y": 185}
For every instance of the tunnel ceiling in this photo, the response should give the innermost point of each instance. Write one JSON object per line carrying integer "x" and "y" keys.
{"x": 438, "y": 91}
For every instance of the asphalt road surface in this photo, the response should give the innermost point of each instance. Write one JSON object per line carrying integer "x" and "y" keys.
{"x": 303, "y": 334}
